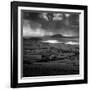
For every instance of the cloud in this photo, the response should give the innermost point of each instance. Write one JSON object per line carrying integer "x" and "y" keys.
{"x": 67, "y": 15}
{"x": 58, "y": 16}
{"x": 44, "y": 16}
{"x": 49, "y": 23}
{"x": 28, "y": 31}
{"x": 53, "y": 16}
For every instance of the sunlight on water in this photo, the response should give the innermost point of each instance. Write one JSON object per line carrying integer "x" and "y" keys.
{"x": 72, "y": 43}
{"x": 51, "y": 41}
{"x": 56, "y": 41}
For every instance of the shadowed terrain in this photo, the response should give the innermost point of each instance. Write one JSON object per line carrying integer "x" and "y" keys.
{"x": 42, "y": 58}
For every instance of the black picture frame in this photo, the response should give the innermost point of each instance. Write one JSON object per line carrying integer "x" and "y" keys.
{"x": 14, "y": 44}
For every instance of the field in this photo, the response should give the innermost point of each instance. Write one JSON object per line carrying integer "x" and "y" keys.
{"x": 44, "y": 59}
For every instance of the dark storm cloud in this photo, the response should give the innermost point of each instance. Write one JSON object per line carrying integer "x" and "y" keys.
{"x": 43, "y": 23}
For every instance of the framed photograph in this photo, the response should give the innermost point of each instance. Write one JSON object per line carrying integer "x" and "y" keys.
{"x": 48, "y": 44}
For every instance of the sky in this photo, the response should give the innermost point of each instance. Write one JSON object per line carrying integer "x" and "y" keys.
{"x": 36, "y": 24}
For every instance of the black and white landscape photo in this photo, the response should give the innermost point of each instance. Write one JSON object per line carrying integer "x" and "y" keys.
{"x": 50, "y": 43}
